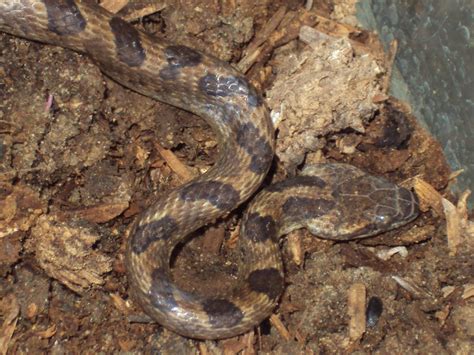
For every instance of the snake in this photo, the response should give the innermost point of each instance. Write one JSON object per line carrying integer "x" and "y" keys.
{"x": 332, "y": 200}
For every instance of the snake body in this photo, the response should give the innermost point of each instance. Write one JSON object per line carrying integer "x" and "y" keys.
{"x": 331, "y": 200}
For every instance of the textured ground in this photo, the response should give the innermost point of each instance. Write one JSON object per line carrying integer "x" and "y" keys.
{"x": 80, "y": 156}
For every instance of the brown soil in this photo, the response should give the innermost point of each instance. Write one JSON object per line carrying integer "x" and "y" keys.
{"x": 74, "y": 175}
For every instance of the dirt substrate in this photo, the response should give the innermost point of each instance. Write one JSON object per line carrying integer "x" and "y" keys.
{"x": 81, "y": 156}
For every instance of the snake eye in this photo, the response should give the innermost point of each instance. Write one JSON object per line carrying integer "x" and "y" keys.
{"x": 381, "y": 219}
{"x": 384, "y": 215}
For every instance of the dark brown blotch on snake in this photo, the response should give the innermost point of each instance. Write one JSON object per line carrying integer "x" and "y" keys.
{"x": 220, "y": 195}
{"x": 222, "y": 313}
{"x": 268, "y": 281}
{"x": 261, "y": 153}
{"x": 339, "y": 202}
{"x": 127, "y": 42}
{"x": 260, "y": 228}
{"x": 178, "y": 57}
{"x": 162, "y": 289}
{"x": 64, "y": 19}
{"x": 298, "y": 181}
{"x": 156, "y": 230}
{"x": 304, "y": 208}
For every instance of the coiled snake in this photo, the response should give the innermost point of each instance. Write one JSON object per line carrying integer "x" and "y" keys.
{"x": 331, "y": 200}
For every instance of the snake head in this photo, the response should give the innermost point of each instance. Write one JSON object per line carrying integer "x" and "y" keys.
{"x": 363, "y": 205}
{"x": 369, "y": 205}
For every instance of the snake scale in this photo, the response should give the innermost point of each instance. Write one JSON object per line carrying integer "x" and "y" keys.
{"x": 333, "y": 201}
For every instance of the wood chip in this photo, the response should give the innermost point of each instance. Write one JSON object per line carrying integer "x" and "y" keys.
{"x": 294, "y": 245}
{"x": 120, "y": 303}
{"x": 300, "y": 338}
{"x": 66, "y": 253}
{"x": 410, "y": 286}
{"x": 386, "y": 254}
{"x": 453, "y": 226}
{"x": 466, "y": 224}
{"x": 148, "y": 9}
{"x": 8, "y": 208}
{"x": 20, "y": 206}
{"x": 462, "y": 205}
{"x": 126, "y": 345}
{"x": 389, "y": 63}
{"x": 280, "y": 327}
{"x": 114, "y": 6}
{"x": 184, "y": 173}
{"x": 31, "y": 310}
{"x": 356, "y": 304}
{"x": 97, "y": 214}
{"x": 233, "y": 239}
{"x": 10, "y": 310}
{"x": 428, "y": 196}
{"x": 47, "y": 333}
{"x": 249, "y": 341}
{"x": 455, "y": 174}
{"x": 252, "y": 51}
{"x": 203, "y": 350}
{"x": 379, "y": 98}
{"x": 443, "y": 314}
{"x": 468, "y": 291}
{"x": 233, "y": 346}
{"x": 288, "y": 30}
{"x": 312, "y": 36}
{"x": 447, "y": 290}
{"x": 335, "y": 29}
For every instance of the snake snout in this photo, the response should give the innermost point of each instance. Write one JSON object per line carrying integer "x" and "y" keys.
{"x": 408, "y": 205}
{"x": 396, "y": 209}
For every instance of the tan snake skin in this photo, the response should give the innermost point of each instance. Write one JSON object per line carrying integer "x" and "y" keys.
{"x": 331, "y": 200}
